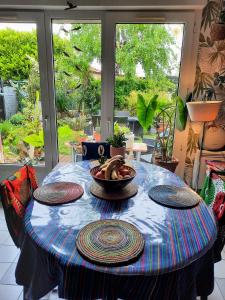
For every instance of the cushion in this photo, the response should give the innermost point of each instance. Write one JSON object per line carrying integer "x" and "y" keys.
{"x": 19, "y": 188}
{"x": 91, "y": 150}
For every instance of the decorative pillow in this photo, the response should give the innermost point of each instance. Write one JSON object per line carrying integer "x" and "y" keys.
{"x": 91, "y": 150}
{"x": 19, "y": 188}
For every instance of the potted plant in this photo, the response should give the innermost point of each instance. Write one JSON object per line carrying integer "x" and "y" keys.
{"x": 117, "y": 144}
{"x": 161, "y": 115}
{"x": 163, "y": 155}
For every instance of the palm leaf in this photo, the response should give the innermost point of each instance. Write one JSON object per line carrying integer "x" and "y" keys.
{"x": 203, "y": 80}
{"x": 218, "y": 54}
{"x": 209, "y": 14}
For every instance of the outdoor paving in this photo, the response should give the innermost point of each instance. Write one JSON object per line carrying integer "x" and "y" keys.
{"x": 9, "y": 255}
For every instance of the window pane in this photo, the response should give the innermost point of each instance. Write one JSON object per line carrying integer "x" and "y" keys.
{"x": 77, "y": 58}
{"x": 21, "y": 131}
{"x": 147, "y": 64}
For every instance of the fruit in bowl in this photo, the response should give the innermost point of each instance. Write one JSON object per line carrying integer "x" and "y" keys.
{"x": 113, "y": 173}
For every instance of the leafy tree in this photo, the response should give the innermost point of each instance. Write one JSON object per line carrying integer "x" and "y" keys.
{"x": 146, "y": 44}
{"x": 15, "y": 47}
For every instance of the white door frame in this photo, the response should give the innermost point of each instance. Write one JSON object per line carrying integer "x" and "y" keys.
{"x": 191, "y": 19}
{"x": 38, "y": 19}
{"x": 79, "y": 16}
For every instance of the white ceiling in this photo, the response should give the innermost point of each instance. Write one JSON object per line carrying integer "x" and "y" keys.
{"x": 104, "y": 4}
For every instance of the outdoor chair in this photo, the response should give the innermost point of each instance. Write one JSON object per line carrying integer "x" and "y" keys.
{"x": 15, "y": 193}
{"x": 92, "y": 150}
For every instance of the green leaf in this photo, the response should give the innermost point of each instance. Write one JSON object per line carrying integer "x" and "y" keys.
{"x": 181, "y": 115}
{"x": 145, "y": 112}
{"x": 35, "y": 140}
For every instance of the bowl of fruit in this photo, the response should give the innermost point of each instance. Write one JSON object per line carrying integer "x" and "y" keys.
{"x": 113, "y": 174}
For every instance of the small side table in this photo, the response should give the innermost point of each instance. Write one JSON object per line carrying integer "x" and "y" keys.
{"x": 138, "y": 148}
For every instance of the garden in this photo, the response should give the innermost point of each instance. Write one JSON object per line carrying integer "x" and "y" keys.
{"x": 77, "y": 63}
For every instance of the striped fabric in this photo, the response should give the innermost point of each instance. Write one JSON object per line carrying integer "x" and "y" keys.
{"x": 173, "y": 238}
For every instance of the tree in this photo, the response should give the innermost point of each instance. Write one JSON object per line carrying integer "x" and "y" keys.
{"x": 146, "y": 44}
{"x": 15, "y": 47}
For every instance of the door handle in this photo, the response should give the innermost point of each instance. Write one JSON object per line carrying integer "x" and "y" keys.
{"x": 109, "y": 126}
{"x": 46, "y": 123}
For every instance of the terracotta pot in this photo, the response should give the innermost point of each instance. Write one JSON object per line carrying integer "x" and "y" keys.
{"x": 97, "y": 136}
{"x": 117, "y": 151}
{"x": 169, "y": 165}
{"x": 217, "y": 32}
{"x": 203, "y": 111}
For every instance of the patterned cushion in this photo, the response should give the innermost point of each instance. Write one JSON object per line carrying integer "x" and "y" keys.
{"x": 92, "y": 150}
{"x": 19, "y": 188}
{"x": 15, "y": 193}
{"x": 213, "y": 193}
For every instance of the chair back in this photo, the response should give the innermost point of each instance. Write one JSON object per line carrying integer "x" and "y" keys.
{"x": 15, "y": 193}
{"x": 92, "y": 150}
{"x": 213, "y": 192}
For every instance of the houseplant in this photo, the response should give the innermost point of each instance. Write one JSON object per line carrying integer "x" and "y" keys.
{"x": 163, "y": 155}
{"x": 117, "y": 143}
{"x": 161, "y": 115}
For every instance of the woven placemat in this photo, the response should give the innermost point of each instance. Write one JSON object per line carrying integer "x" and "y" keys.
{"x": 58, "y": 193}
{"x": 173, "y": 196}
{"x": 125, "y": 193}
{"x": 110, "y": 242}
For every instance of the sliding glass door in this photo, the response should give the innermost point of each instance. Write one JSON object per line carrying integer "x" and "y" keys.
{"x": 147, "y": 64}
{"x": 98, "y": 64}
{"x": 24, "y": 117}
{"x": 77, "y": 73}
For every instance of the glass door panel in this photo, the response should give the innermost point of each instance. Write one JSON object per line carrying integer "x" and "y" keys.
{"x": 21, "y": 122}
{"x": 147, "y": 63}
{"x": 77, "y": 64}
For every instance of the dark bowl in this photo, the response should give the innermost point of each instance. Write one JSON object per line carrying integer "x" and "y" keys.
{"x": 112, "y": 184}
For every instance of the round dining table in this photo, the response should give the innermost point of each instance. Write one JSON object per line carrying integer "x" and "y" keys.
{"x": 176, "y": 262}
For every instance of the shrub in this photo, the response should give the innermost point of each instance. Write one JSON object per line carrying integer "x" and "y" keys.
{"x": 17, "y": 119}
{"x": 5, "y": 129}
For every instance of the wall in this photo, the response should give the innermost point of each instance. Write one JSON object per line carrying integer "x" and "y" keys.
{"x": 210, "y": 73}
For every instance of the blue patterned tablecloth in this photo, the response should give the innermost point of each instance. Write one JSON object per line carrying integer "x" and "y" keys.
{"x": 174, "y": 239}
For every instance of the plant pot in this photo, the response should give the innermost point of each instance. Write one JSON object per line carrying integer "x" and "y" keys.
{"x": 97, "y": 136}
{"x": 203, "y": 111}
{"x": 117, "y": 151}
{"x": 169, "y": 165}
{"x": 217, "y": 32}
{"x": 214, "y": 138}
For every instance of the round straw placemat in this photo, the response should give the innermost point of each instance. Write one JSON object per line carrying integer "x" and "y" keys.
{"x": 58, "y": 193}
{"x": 113, "y": 195}
{"x": 173, "y": 196}
{"x": 110, "y": 242}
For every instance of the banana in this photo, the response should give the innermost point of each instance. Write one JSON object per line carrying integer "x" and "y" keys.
{"x": 113, "y": 164}
{"x": 117, "y": 157}
{"x": 114, "y": 175}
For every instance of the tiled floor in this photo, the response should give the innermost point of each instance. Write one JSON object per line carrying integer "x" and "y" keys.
{"x": 9, "y": 256}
